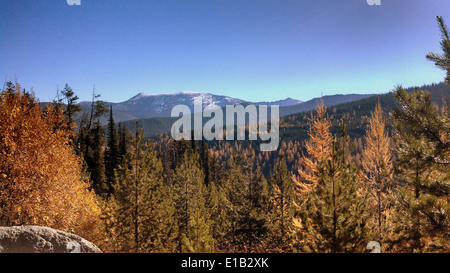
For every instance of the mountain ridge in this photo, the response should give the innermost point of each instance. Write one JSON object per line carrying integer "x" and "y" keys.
{"x": 144, "y": 105}
{"x": 294, "y": 118}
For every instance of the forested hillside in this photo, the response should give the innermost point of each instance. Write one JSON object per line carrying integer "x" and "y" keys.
{"x": 294, "y": 128}
{"x": 156, "y": 126}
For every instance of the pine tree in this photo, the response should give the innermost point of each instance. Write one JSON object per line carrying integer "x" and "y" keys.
{"x": 378, "y": 169}
{"x": 318, "y": 148}
{"x": 332, "y": 218}
{"x": 216, "y": 211}
{"x": 234, "y": 188}
{"x": 72, "y": 107}
{"x": 258, "y": 194}
{"x": 245, "y": 193}
{"x": 198, "y": 238}
{"x": 88, "y": 121}
{"x": 190, "y": 199}
{"x": 175, "y": 153}
{"x": 90, "y": 144}
{"x": 422, "y": 144}
{"x": 142, "y": 215}
{"x": 96, "y": 163}
{"x": 282, "y": 207}
{"x": 112, "y": 153}
{"x": 442, "y": 60}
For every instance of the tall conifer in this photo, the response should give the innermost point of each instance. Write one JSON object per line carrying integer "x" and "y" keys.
{"x": 112, "y": 153}
{"x": 422, "y": 143}
{"x": 142, "y": 217}
{"x": 333, "y": 218}
{"x": 318, "y": 148}
{"x": 281, "y": 209}
{"x": 378, "y": 169}
{"x": 190, "y": 203}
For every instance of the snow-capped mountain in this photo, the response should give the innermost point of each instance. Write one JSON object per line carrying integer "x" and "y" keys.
{"x": 160, "y": 105}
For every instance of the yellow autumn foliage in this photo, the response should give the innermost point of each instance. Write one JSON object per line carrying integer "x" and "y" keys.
{"x": 318, "y": 148}
{"x": 41, "y": 181}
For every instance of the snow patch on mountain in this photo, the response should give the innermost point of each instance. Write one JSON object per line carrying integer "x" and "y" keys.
{"x": 145, "y": 105}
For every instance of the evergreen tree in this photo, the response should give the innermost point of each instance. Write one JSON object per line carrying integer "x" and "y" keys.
{"x": 90, "y": 144}
{"x": 235, "y": 201}
{"x": 87, "y": 124}
{"x": 96, "y": 163}
{"x": 332, "y": 218}
{"x": 257, "y": 220}
{"x": 142, "y": 215}
{"x": 190, "y": 199}
{"x": 72, "y": 107}
{"x": 198, "y": 238}
{"x": 216, "y": 211}
{"x": 442, "y": 60}
{"x": 281, "y": 207}
{"x": 422, "y": 143}
{"x": 175, "y": 153}
{"x": 112, "y": 152}
{"x": 245, "y": 193}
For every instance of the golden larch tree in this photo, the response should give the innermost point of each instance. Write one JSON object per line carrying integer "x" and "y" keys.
{"x": 318, "y": 148}
{"x": 41, "y": 178}
{"x": 378, "y": 169}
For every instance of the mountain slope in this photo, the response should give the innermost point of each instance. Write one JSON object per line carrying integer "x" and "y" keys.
{"x": 144, "y": 106}
{"x": 148, "y": 106}
{"x": 357, "y": 112}
{"x": 154, "y": 126}
{"x": 328, "y": 101}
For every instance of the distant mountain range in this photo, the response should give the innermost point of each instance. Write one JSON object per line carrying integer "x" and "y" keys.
{"x": 143, "y": 106}
{"x": 294, "y": 122}
{"x": 160, "y": 105}
{"x": 157, "y": 125}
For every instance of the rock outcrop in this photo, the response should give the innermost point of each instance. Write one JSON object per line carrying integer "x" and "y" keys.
{"x": 36, "y": 239}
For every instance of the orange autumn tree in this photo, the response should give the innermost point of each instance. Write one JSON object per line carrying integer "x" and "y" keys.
{"x": 378, "y": 169}
{"x": 318, "y": 148}
{"x": 41, "y": 178}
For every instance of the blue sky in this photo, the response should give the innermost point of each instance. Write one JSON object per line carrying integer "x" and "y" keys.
{"x": 251, "y": 49}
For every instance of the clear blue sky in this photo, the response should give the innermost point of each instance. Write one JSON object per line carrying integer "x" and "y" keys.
{"x": 251, "y": 49}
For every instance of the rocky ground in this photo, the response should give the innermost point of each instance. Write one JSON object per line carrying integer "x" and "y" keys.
{"x": 36, "y": 239}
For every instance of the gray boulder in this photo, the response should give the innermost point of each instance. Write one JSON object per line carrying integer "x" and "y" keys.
{"x": 36, "y": 239}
